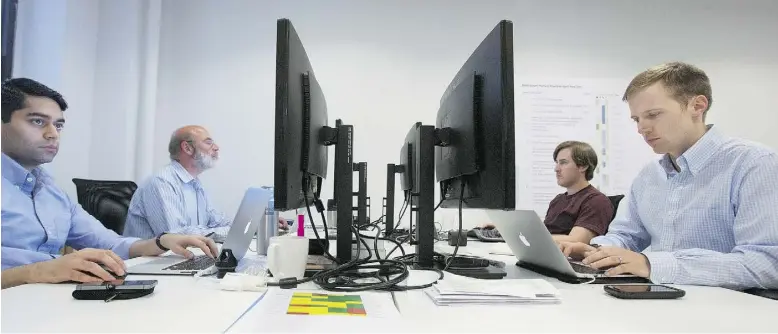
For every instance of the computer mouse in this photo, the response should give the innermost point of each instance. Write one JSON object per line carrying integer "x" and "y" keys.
{"x": 117, "y": 277}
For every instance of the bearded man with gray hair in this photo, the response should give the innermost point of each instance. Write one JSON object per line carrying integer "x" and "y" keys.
{"x": 173, "y": 200}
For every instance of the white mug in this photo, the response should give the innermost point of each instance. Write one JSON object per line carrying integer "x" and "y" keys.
{"x": 287, "y": 256}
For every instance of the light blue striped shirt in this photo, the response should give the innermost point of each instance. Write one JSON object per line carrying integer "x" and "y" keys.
{"x": 39, "y": 219}
{"x": 175, "y": 202}
{"x": 713, "y": 223}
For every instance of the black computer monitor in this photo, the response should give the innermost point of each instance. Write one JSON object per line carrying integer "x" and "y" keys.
{"x": 478, "y": 109}
{"x": 301, "y": 113}
{"x": 418, "y": 184}
{"x": 471, "y": 147}
{"x": 301, "y": 139}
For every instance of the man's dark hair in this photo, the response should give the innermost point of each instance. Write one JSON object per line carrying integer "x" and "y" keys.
{"x": 15, "y": 92}
{"x": 583, "y": 156}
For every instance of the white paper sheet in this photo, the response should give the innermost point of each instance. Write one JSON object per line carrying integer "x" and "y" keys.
{"x": 460, "y": 290}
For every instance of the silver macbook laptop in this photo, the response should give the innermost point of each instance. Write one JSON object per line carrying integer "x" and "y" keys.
{"x": 531, "y": 242}
{"x": 242, "y": 231}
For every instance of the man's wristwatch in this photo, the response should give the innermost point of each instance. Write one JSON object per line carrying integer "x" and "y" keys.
{"x": 159, "y": 243}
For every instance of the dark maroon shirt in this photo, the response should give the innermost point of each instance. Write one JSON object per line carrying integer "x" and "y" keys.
{"x": 588, "y": 208}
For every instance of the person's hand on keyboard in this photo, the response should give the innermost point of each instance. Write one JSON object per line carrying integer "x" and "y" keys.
{"x": 487, "y": 226}
{"x": 178, "y": 243}
{"x": 618, "y": 260}
{"x": 282, "y": 223}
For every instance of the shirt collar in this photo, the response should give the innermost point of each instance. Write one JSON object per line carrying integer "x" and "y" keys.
{"x": 18, "y": 175}
{"x": 697, "y": 156}
{"x": 182, "y": 173}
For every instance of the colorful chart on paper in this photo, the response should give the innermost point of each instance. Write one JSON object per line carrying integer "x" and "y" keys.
{"x": 326, "y": 304}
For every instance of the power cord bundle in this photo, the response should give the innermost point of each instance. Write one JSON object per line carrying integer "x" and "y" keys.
{"x": 382, "y": 274}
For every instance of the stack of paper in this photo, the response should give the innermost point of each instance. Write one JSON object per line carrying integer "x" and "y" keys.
{"x": 456, "y": 290}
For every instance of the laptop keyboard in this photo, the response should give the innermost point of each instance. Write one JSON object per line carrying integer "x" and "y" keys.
{"x": 199, "y": 262}
{"x": 486, "y": 235}
{"x": 584, "y": 269}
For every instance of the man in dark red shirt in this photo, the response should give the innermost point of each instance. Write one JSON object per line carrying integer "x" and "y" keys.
{"x": 582, "y": 212}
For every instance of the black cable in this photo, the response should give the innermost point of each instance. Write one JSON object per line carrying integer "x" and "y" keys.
{"x": 413, "y": 228}
{"x": 437, "y": 206}
{"x": 377, "y": 237}
{"x": 456, "y": 248}
{"x": 325, "y": 247}
{"x": 402, "y": 212}
{"x": 384, "y": 274}
{"x": 363, "y": 226}
{"x": 411, "y": 231}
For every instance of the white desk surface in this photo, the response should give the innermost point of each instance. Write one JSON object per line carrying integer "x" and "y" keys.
{"x": 180, "y": 304}
{"x": 587, "y": 308}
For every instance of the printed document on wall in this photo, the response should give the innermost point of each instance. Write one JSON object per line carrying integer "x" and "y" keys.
{"x": 552, "y": 110}
{"x": 548, "y": 112}
{"x": 624, "y": 152}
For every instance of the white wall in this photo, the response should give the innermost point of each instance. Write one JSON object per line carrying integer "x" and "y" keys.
{"x": 56, "y": 44}
{"x": 382, "y": 65}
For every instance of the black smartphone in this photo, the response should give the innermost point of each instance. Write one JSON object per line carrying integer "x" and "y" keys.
{"x": 643, "y": 291}
{"x": 118, "y": 285}
{"x": 108, "y": 291}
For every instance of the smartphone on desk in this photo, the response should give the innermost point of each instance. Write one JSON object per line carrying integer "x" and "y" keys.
{"x": 118, "y": 285}
{"x": 108, "y": 291}
{"x": 643, "y": 291}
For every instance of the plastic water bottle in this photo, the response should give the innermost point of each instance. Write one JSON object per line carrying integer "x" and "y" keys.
{"x": 332, "y": 214}
{"x": 268, "y": 226}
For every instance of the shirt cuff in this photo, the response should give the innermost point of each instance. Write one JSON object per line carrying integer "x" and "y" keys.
{"x": 223, "y": 230}
{"x": 664, "y": 267}
{"x": 122, "y": 248}
{"x": 605, "y": 240}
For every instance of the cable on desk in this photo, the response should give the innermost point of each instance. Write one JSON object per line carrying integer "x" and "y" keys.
{"x": 384, "y": 274}
{"x": 590, "y": 281}
{"x": 377, "y": 237}
{"x": 399, "y": 245}
{"x": 379, "y": 220}
{"x": 406, "y": 203}
{"x": 320, "y": 208}
{"x": 459, "y": 230}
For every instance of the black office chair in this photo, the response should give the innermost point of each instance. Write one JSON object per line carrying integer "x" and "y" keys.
{"x": 615, "y": 199}
{"x": 771, "y": 294}
{"x": 107, "y": 201}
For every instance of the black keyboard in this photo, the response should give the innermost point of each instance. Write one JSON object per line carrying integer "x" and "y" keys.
{"x": 486, "y": 235}
{"x": 584, "y": 269}
{"x": 199, "y": 262}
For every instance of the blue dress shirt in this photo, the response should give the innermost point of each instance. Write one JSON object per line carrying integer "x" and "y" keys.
{"x": 173, "y": 201}
{"x": 38, "y": 219}
{"x": 713, "y": 223}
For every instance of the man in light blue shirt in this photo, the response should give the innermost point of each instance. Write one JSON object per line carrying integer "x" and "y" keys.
{"x": 708, "y": 209}
{"x": 173, "y": 200}
{"x": 38, "y": 218}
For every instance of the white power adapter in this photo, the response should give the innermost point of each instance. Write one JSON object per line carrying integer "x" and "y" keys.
{"x": 243, "y": 282}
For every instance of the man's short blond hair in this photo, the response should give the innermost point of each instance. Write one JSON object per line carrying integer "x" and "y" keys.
{"x": 683, "y": 81}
